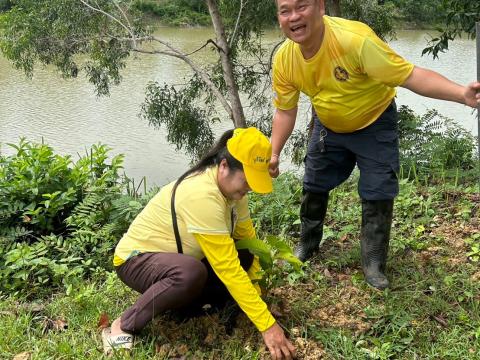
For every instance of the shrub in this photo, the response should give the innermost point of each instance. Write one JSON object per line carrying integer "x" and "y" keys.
{"x": 434, "y": 146}
{"x": 278, "y": 212}
{"x": 5, "y": 5}
{"x": 39, "y": 189}
{"x": 60, "y": 220}
{"x": 177, "y": 13}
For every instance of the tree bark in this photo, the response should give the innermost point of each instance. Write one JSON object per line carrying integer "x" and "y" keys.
{"x": 227, "y": 67}
{"x": 334, "y": 8}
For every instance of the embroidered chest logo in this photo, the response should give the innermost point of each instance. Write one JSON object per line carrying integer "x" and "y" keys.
{"x": 341, "y": 74}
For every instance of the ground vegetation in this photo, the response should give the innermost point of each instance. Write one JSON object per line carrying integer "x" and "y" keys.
{"x": 60, "y": 220}
{"x": 430, "y": 312}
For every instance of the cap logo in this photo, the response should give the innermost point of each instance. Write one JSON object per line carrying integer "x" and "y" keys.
{"x": 260, "y": 159}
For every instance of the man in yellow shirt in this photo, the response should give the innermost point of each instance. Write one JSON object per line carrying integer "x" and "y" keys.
{"x": 180, "y": 250}
{"x": 350, "y": 76}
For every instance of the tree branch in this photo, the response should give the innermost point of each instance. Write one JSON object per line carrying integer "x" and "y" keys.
{"x": 110, "y": 16}
{"x": 209, "y": 41}
{"x": 232, "y": 38}
{"x": 273, "y": 53}
{"x": 203, "y": 75}
{"x": 128, "y": 22}
{"x": 173, "y": 53}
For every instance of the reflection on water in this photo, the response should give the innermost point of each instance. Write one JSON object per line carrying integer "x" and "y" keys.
{"x": 70, "y": 118}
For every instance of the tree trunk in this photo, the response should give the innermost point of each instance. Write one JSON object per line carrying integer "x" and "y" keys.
{"x": 334, "y": 8}
{"x": 227, "y": 67}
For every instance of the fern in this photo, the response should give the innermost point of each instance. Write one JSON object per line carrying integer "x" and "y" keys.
{"x": 15, "y": 233}
{"x": 93, "y": 211}
{"x": 434, "y": 145}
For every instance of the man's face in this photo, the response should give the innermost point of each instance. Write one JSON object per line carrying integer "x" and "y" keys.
{"x": 301, "y": 20}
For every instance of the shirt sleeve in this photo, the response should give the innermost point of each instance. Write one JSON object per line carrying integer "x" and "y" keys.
{"x": 222, "y": 255}
{"x": 254, "y": 273}
{"x": 244, "y": 230}
{"x": 383, "y": 64}
{"x": 285, "y": 94}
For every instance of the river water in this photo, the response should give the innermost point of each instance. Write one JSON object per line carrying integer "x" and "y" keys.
{"x": 69, "y": 117}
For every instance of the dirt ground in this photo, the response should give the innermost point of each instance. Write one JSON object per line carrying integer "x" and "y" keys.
{"x": 340, "y": 308}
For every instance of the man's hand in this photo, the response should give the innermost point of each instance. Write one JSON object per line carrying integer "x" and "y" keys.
{"x": 273, "y": 167}
{"x": 278, "y": 345}
{"x": 430, "y": 83}
{"x": 282, "y": 127}
{"x": 472, "y": 94}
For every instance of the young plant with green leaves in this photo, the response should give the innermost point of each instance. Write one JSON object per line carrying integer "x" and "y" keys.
{"x": 274, "y": 254}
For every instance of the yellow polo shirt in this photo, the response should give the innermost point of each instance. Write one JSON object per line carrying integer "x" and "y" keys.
{"x": 351, "y": 80}
{"x": 204, "y": 219}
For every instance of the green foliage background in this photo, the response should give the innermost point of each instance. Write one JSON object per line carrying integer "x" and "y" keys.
{"x": 177, "y": 12}
{"x": 60, "y": 219}
{"x": 418, "y": 14}
{"x": 406, "y": 13}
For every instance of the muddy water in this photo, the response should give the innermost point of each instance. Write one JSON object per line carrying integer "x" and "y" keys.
{"x": 68, "y": 116}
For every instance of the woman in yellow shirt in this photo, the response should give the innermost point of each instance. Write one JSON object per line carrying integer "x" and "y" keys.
{"x": 180, "y": 249}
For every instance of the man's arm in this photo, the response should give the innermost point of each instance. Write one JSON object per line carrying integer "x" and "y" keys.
{"x": 282, "y": 127}
{"x": 431, "y": 84}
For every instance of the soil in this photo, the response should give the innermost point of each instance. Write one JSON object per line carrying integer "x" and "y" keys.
{"x": 341, "y": 307}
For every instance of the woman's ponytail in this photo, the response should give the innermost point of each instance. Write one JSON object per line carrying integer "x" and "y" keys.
{"x": 213, "y": 157}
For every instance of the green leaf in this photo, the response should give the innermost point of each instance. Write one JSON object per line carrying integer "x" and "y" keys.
{"x": 279, "y": 244}
{"x": 259, "y": 248}
{"x": 291, "y": 259}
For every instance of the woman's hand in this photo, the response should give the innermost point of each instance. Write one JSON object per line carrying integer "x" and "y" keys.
{"x": 278, "y": 345}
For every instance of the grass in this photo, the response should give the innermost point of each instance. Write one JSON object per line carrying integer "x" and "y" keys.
{"x": 432, "y": 310}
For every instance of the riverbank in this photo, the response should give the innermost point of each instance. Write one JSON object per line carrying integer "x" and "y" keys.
{"x": 193, "y": 14}
{"x": 61, "y": 219}
{"x": 431, "y": 311}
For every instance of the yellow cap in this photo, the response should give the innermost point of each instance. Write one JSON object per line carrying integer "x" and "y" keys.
{"x": 253, "y": 150}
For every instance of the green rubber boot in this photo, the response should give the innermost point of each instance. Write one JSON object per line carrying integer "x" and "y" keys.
{"x": 374, "y": 240}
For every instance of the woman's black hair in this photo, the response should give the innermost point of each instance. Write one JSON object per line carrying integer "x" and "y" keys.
{"x": 213, "y": 157}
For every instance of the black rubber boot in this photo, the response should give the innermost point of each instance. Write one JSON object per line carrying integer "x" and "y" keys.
{"x": 374, "y": 239}
{"x": 312, "y": 215}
